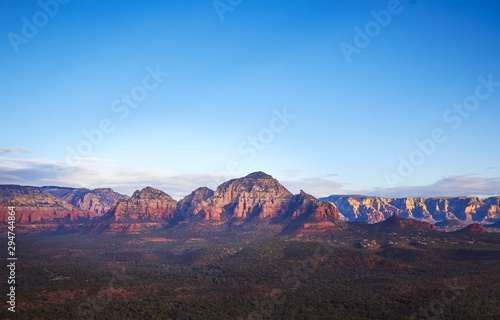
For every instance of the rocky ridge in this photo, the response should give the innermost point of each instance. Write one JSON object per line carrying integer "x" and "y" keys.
{"x": 450, "y": 225}
{"x": 399, "y": 224}
{"x": 146, "y": 205}
{"x": 40, "y": 212}
{"x": 97, "y": 200}
{"x": 254, "y": 202}
{"x": 431, "y": 209}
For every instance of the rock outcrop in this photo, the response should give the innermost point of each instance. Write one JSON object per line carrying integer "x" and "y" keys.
{"x": 399, "y": 224}
{"x": 146, "y": 205}
{"x": 9, "y": 192}
{"x": 39, "y": 208}
{"x": 306, "y": 206}
{"x": 257, "y": 195}
{"x": 307, "y": 216}
{"x": 474, "y": 228}
{"x": 188, "y": 206}
{"x": 97, "y": 200}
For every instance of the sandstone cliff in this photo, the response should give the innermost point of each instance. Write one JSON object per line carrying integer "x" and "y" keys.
{"x": 97, "y": 200}
{"x": 191, "y": 204}
{"x": 431, "y": 209}
{"x": 146, "y": 205}
{"x": 249, "y": 202}
{"x": 306, "y": 206}
{"x": 38, "y": 208}
{"x": 256, "y": 195}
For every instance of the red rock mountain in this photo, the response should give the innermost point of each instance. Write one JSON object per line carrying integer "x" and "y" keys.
{"x": 255, "y": 201}
{"x": 398, "y": 224}
{"x": 188, "y": 206}
{"x": 474, "y": 228}
{"x": 256, "y": 195}
{"x": 253, "y": 198}
{"x": 306, "y": 206}
{"x": 147, "y": 205}
{"x": 97, "y": 200}
{"x": 307, "y": 215}
{"x": 39, "y": 208}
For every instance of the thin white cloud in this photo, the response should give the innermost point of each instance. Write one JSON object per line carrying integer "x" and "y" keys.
{"x": 17, "y": 150}
{"x": 98, "y": 173}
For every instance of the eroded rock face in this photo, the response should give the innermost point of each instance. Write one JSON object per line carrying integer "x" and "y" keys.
{"x": 147, "y": 205}
{"x": 431, "y": 209}
{"x": 492, "y": 201}
{"x": 305, "y": 205}
{"x": 9, "y": 192}
{"x": 256, "y": 195}
{"x": 97, "y": 200}
{"x": 306, "y": 215}
{"x": 188, "y": 205}
{"x": 39, "y": 208}
{"x": 362, "y": 208}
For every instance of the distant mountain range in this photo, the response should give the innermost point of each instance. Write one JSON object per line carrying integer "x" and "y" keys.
{"x": 430, "y": 209}
{"x": 257, "y": 200}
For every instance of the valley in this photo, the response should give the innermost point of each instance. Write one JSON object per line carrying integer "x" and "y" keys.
{"x": 346, "y": 275}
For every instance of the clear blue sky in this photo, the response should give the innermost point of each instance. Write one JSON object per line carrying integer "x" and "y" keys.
{"x": 231, "y": 68}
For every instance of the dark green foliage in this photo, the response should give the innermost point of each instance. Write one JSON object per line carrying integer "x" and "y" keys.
{"x": 84, "y": 277}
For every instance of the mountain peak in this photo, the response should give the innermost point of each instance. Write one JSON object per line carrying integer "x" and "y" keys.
{"x": 397, "y": 223}
{"x": 474, "y": 228}
{"x": 151, "y": 193}
{"x": 148, "y": 204}
{"x": 258, "y": 175}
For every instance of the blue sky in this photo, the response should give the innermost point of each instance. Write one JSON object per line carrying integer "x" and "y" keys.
{"x": 252, "y": 86}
